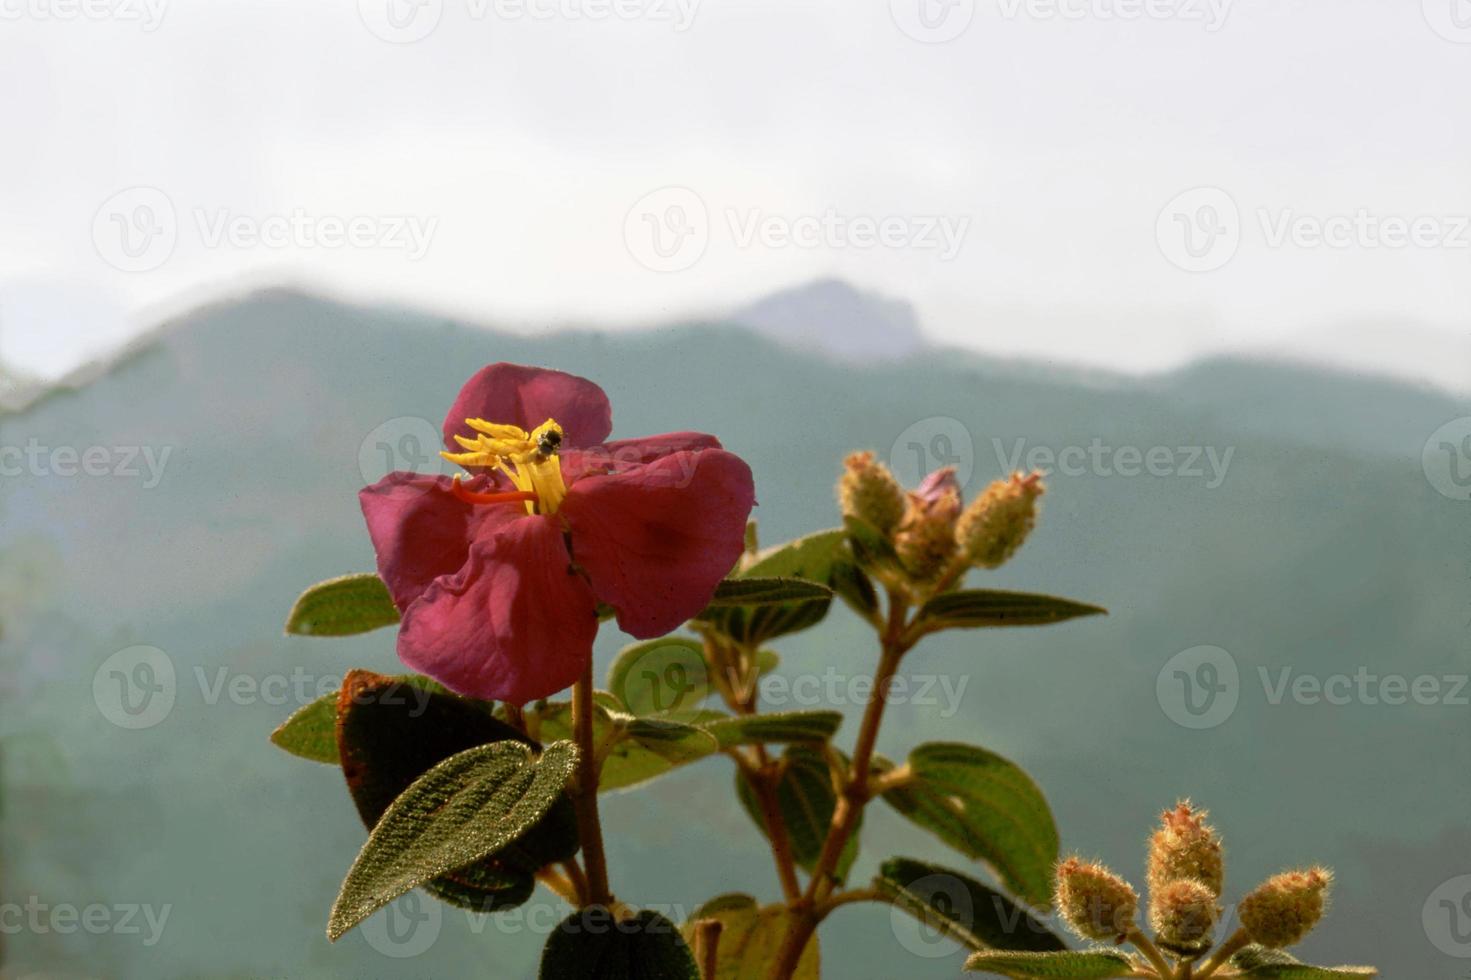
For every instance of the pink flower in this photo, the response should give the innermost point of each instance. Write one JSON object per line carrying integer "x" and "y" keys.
{"x": 498, "y": 578}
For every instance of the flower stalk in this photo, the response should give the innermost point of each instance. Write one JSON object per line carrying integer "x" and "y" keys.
{"x": 589, "y": 825}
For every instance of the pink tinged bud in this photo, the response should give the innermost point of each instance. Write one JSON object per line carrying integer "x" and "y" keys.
{"x": 1095, "y": 903}
{"x": 1185, "y": 846}
{"x": 868, "y": 491}
{"x": 1183, "y": 914}
{"x": 1285, "y": 908}
{"x": 996, "y": 524}
{"x": 925, "y": 542}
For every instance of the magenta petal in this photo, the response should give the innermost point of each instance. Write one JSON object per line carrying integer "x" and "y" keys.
{"x": 656, "y": 540}
{"x": 528, "y": 396}
{"x": 420, "y": 531}
{"x": 515, "y": 624}
{"x": 620, "y": 454}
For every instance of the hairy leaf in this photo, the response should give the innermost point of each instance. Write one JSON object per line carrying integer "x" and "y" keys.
{"x": 468, "y": 808}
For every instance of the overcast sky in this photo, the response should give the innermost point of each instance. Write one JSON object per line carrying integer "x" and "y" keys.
{"x": 1128, "y": 183}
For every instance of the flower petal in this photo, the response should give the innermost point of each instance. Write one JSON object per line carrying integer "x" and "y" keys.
{"x": 527, "y": 396}
{"x": 420, "y": 531}
{"x": 515, "y": 624}
{"x": 656, "y": 540}
{"x": 620, "y": 454}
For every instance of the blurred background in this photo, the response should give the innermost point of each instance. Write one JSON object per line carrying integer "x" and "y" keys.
{"x": 1206, "y": 262}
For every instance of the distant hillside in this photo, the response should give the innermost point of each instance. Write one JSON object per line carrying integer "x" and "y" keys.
{"x": 832, "y": 317}
{"x": 1315, "y": 543}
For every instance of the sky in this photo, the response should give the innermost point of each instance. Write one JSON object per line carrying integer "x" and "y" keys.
{"x": 1128, "y": 184}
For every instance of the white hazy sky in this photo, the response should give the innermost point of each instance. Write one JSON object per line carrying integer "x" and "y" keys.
{"x": 151, "y": 145}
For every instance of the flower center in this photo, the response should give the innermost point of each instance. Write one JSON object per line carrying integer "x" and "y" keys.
{"x": 529, "y": 459}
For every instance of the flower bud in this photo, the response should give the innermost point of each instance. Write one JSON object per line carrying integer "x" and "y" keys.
{"x": 1284, "y": 908}
{"x": 868, "y": 491}
{"x": 1185, "y": 846}
{"x": 925, "y": 542}
{"x": 996, "y": 523}
{"x": 1183, "y": 913}
{"x": 1095, "y": 902}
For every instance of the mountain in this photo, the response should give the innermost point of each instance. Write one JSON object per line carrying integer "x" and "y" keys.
{"x": 832, "y": 317}
{"x": 1286, "y": 519}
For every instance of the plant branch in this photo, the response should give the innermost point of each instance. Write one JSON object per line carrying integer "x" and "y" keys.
{"x": 1239, "y": 940}
{"x": 807, "y": 912}
{"x": 1152, "y": 954}
{"x": 589, "y": 826}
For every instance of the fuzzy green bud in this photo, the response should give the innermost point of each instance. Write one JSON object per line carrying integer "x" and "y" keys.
{"x": 1286, "y": 907}
{"x": 868, "y": 491}
{"x": 1183, "y": 914}
{"x": 1185, "y": 846}
{"x": 996, "y": 523}
{"x": 925, "y": 541}
{"x": 1094, "y": 902}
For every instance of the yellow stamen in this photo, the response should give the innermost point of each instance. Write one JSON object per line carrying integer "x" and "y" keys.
{"x": 529, "y": 460}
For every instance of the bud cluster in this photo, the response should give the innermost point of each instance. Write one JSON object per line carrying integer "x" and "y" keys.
{"x": 935, "y": 537}
{"x": 1186, "y": 871}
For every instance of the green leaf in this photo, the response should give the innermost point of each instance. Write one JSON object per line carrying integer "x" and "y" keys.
{"x": 469, "y": 807}
{"x": 1257, "y": 961}
{"x": 589, "y": 945}
{"x": 767, "y": 591}
{"x": 661, "y": 677}
{"x": 750, "y": 939}
{"x": 812, "y": 559}
{"x": 972, "y": 609}
{"x": 1068, "y": 966}
{"x": 311, "y": 731}
{"x": 963, "y": 908}
{"x": 806, "y": 799}
{"x": 635, "y": 749}
{"x": 780, "y": 726}
{"x": 988, "y": 809}
{"x": 342, "y": 607}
